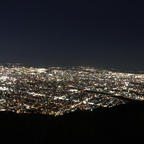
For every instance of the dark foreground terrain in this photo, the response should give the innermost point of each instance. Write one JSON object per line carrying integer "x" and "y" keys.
{"x": 103, "y": 124}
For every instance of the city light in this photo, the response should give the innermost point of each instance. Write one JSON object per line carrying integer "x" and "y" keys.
{"x": 59, "y": 90}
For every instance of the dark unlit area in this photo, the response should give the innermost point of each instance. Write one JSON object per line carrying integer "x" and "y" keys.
{"x": 102, "y": 124}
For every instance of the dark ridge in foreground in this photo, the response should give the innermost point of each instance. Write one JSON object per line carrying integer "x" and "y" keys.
{"x": 101, "y": 124}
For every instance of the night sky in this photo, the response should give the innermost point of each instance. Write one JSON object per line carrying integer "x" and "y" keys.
{"x": 72, "y": 32}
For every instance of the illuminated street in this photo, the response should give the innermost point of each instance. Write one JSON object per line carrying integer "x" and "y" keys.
{"x": 59, "y": 90}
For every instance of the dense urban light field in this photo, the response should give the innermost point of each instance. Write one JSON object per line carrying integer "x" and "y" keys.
{"x": 59, "y": 90}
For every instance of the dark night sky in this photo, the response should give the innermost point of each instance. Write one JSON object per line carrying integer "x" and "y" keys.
{"x": 72, "y": 32}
